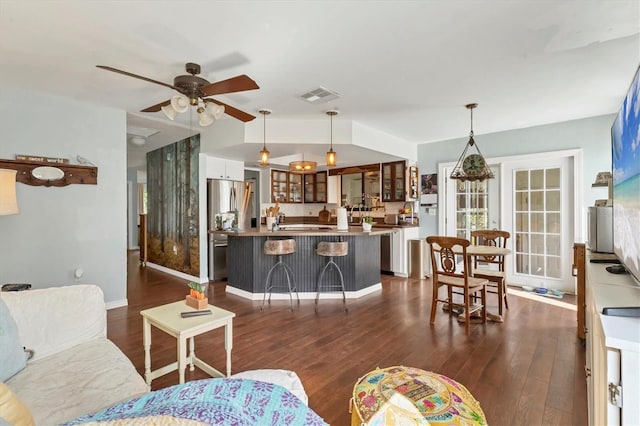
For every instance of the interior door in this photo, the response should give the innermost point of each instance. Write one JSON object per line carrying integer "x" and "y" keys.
{"x": 540, "y": 207}
{"x": 472, "y": 205}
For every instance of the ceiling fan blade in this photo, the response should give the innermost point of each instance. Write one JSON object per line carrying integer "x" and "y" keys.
{"x": 156, "y": 107}
{"x": 104, "y": 67}
{"x": 235, "y": 84}
{"x": 233, "y": 112}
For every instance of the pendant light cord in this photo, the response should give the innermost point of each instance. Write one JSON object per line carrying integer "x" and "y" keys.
{"x": 264, "y": 131}
{"x": 331, "y": 132}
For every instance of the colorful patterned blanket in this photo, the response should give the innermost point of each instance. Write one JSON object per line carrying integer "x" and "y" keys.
{"x": 227, "y": 401}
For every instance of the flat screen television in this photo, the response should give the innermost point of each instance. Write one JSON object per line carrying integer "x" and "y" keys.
{"x": 625, "y": 159}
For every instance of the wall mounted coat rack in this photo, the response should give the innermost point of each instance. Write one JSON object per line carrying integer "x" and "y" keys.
{"x": 36, "y": 173}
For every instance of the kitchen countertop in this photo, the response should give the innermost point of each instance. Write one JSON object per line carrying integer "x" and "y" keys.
{"x": 306, "y": 229}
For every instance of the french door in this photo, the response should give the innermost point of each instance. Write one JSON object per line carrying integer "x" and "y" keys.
{"x": 540, "y": 206}
{"x": 535, "y": 204}
{"x": 475, "y": 205}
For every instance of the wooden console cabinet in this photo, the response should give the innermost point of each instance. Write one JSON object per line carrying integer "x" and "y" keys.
{"x": 579, "y": 271}
{"x": 613, "y": 348}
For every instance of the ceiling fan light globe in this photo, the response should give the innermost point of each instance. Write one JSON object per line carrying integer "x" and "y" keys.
{"x": 205, "y": 120}
{"x": 180, "y": 103}
{"x": 169, "y": 111}
{"x": 215, "y": 110}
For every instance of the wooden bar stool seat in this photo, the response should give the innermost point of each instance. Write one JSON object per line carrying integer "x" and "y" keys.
{"x": 331, "y": 249}
{"x": 280, "y": 248}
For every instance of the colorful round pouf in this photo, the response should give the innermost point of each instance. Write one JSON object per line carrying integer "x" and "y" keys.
{"x": 410, "y": 396}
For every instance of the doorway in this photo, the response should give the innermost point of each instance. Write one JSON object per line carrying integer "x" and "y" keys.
{"x": 538, "y": 205}
{"x": 541, "y": 208}
{"x": 475, "y": 205}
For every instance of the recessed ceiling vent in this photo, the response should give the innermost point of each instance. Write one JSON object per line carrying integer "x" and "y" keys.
{"x": 141, "y": 131}
{"x": 320, "y": 95}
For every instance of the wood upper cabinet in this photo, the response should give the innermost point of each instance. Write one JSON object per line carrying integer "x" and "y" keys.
{"x": 295, "y": 188}
{"x": 315, "y": 188}
{"x": 287, "y": 187}
{"x": 279, "y": 186}
{"x": 393, "y": 181}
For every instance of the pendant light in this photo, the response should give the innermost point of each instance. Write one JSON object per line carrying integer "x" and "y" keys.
{"x": 264, "y": 153}
{"x": 303, "y": 167}
{"x": 472, "y": 167}
{"x": 332, "y": 156}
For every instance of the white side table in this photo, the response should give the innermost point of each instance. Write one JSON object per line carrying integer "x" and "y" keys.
{"x": 167, "y": 318}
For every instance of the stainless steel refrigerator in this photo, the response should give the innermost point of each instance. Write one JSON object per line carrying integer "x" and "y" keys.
{"x": 227, "y": 209}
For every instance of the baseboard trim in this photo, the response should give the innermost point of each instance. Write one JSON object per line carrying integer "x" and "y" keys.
{"x": 304, "y": 295}
{"x": 176, "y": 273}
{"x": 117, "y": 304}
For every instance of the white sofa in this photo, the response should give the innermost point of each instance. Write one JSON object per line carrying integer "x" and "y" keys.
{"x": 75, "y": 370}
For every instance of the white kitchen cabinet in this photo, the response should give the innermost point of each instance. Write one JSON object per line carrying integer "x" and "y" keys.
{"x": 613, "y": 348}
{"x": 220, "y": 168}
{"x": 400, "y": 249}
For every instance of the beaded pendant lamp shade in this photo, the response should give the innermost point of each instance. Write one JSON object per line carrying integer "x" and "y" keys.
{"x": 471, "y": 166}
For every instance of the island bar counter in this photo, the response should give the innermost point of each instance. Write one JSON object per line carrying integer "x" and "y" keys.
{"x": 248, "y": 266}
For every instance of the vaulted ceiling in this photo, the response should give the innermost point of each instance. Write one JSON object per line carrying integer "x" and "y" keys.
{"x": 406, "y": 68}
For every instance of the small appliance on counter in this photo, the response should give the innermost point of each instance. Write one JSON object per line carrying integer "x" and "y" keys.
{"x": 601, "y": 229}
{"x": 391, "y": 219}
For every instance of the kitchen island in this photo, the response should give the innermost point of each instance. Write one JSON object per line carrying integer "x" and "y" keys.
{"x": 247, "y": 265}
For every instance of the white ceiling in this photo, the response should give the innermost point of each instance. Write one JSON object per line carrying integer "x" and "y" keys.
{"x": 406, "y": 68}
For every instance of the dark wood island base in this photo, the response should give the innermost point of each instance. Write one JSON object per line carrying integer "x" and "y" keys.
{"x": 248, "y": 266}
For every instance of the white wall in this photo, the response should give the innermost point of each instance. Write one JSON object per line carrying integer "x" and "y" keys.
{"x": 592, "y": 135}
{"x": 76, "y": 226}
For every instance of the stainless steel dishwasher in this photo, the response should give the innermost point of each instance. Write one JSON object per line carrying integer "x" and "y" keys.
{"x": 386, "y": 252}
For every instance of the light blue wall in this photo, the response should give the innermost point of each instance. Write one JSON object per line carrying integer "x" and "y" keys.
{"x": 592, "y": 135}
{"x": 75, "y": 226}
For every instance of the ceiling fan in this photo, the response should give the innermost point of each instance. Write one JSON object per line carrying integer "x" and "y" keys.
{"x": 196, "y": 89}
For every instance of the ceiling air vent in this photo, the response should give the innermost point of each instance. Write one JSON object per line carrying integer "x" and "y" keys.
{"x": 319, "y": 95}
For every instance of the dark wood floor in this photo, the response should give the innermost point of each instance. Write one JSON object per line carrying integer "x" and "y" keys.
{"x": 528, "y": 370}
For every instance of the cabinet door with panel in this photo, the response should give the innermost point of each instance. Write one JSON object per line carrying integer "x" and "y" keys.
{"x": 295, "y": 188}
{"x": 220, "y": 168}
{"x": 315, "y": 188}
{"x": 393, "y": 181}
{"x": 321, "y": 187}
{"x": 309, "y": 188}
{"x": 279, "y": 189}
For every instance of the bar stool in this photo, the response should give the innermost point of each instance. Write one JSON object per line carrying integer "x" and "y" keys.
{"x": 330, "y": 250}
{"x": 280, "y": 248}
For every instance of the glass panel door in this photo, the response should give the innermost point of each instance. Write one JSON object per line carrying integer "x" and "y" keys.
{"x": 309, "y": 188}
{"x": 295, "y": 188}
{"x": 538, "y": 222}
{"x": 278, "y": 186}
{"x": 471, "y": 207}
{"x": 387, "y": 195}
{"x": 321, "y": 187}
{"x": 399, "y": 179}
